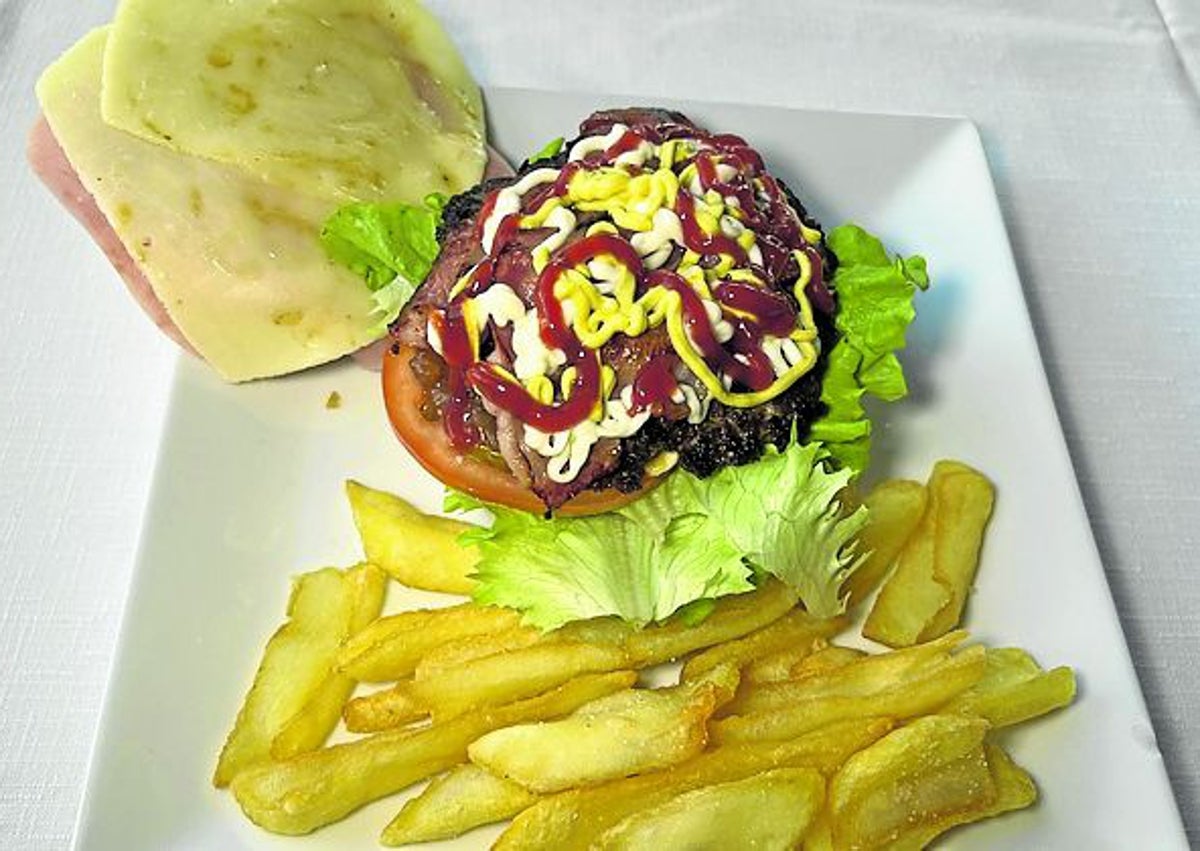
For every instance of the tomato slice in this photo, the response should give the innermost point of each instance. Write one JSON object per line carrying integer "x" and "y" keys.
{"x": 427, "y": 442}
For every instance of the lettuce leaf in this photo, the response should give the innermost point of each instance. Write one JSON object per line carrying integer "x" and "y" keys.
{"x": 689, "y": 540}
{"x": 561, "y": 570}
{"x": 391, "y": 246}
{"x": 875, "y": 294}
{"x": 783, "y": 514}
{"x": 549, "y": 150}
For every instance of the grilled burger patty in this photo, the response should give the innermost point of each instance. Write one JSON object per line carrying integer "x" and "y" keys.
{"x": 675, "y": 433}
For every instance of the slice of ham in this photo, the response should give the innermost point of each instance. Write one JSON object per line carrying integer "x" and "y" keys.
{"x": 497, "y": 165}
{"x": 50, "y": 164}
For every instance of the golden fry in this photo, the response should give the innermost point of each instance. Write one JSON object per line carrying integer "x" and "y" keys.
{"x": 925, "y": 596}
{"x": 323, "y": 786}
{"x": 577, "y": 818}
{"x": 1014, "y": 791}
{"x": 295, "y": 664}
{"x": 912, "y": 595}
{"x": 590, "y": 647}
{"x": 1014, "y": 689}
{"x": 868, "y": 687}
{"x": 912, "y": 784}
{"x": 895, "y": 507}
{"x": 769, "y": 810}
{"x": 384, "y": 709}
{"x": 455, "y": 653}
{"x": 870, "y": 674}
{"x": 965, "y": 498}
{"x": 733, "y": 617}
{"x": 418, "y": 550}
{"x": 310, "y": 727}
{"x": 795, "y": 630}
{"x": 464, "y": 798}
{"x": 505, "y": 677}
{"x": 827, "y": 659}
{"x": 621, "y": 735}
{"x": 777, "y": 667}
{"x": 392, "y": 647}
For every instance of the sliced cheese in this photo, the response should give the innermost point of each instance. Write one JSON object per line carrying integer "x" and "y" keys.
{"x": 236, "y": 262}
{"x": 347, "y": 99}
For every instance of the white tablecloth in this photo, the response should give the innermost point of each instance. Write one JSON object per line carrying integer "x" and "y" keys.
{"x": 1090, "y": 111}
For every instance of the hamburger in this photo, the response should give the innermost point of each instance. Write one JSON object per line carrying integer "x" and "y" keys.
{"x": 648, "y": 297}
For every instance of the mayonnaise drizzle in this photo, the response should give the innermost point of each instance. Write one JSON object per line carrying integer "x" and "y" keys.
{"x": 508, "y": 202}
{"x": 593, "y": 144}
{"x": 567, "y": 451}
{"x": 646, "y": 209}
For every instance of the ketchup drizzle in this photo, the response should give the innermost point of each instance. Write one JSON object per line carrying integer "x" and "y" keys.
{"x": 655, "y": 384}
{"x": 699, "y": 241}
{"x": 763, "y": 208}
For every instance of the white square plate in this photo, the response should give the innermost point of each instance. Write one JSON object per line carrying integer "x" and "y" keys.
{"x": 249, "y": 491}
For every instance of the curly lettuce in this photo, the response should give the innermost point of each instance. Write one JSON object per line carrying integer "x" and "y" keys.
{"x": 688, "y": 541}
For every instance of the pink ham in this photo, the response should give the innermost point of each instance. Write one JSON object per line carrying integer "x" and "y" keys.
{"x": 50, "y": 163}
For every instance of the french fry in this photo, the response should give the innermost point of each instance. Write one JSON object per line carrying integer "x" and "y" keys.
{"x": 1014, "y": 689}
{"x": 868, "y": 675}
{"x": 826, "y": 659}
{"x": 621, "y": 735}
{"x": 914, "y": 783}
{"x": 773, "y": 737}
{"x": 323, "y": 786}
{"x": 733, "y": 617}
{"x": 894, "y": 509}
{"x": 965, "y": 498}
{"x": 295, "y": 664}
{"x": 769, "y": 810}
{"x": 777, "y": 667}
{"x": 795, "y": 630}
{"x": 1014, "y": 791}
{"x": 912, "y": 595}
{"x": 592, "y": 646}
{"x": 464, "y": 798}
{"x": 391, "y": 648}
{"x": 455, "y": 653}
{"x": 384, "y": 709}
{"x": 505, "y": 677}
{"x": 417, "y": 549}
{"x": 860, "y": 689}
{"x": 925, "y": 596}
{"x": 310, "y": 727}
{"x": 820, "y": 833}
{"x": 790, "y": 664}
{"x": 577, "y": 818}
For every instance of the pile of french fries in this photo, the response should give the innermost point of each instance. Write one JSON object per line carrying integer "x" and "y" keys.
{"x": 772, "y": 735}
